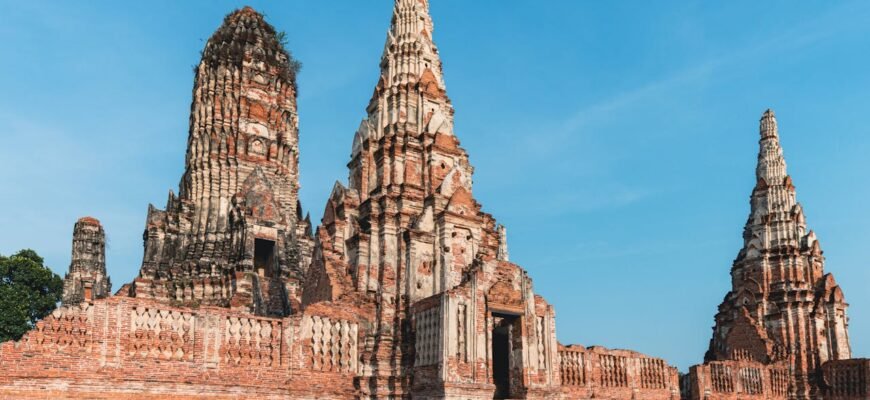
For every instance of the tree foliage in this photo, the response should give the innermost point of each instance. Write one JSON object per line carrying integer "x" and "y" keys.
{"x": 28, "y": 292}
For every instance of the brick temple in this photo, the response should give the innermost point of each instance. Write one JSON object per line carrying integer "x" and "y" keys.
{"x": 405, "y": 289}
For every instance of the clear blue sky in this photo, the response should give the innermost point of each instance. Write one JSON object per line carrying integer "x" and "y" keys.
{"x": 615, "y": 140}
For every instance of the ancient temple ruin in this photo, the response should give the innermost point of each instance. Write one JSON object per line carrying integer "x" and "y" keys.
{"x": 234, "y": 236}
{"x": 784, "y": 317}
{"x": 87, "y": 279}
{"x": 405, "y": 290}
{"x": 407, "y": 240}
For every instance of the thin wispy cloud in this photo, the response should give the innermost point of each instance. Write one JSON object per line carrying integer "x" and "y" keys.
{"x": 574, "y": 138}
{"x": 812, "y": 31}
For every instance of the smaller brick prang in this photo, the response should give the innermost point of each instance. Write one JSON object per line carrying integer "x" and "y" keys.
{"x": 87, "y": 279}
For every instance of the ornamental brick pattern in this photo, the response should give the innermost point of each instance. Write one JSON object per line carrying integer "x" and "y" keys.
{"x": 846, "y": 379}
{"x": 599, "y": 373}
{"x": 139, "y": 348}
{"x": 405, "y": 290}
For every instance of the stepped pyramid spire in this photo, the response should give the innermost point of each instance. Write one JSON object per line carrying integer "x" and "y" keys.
{"x": 774, "y": 197}
{"x": 407, "y": 227}
{"x": 771, "y": 163}
{"x": 410, "y": 101}
{"x": 782, "y": 307}
{"x": 405, "y": 150}
{"x": 234, "y": 235}
{"x": 410, "y": 53}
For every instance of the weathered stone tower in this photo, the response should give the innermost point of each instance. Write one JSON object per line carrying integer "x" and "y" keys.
{"x": 234, "y": 236}
{"x": 87, "y": 279}
{"x": 782, "y": 307}
{"x": 408, "y": 238}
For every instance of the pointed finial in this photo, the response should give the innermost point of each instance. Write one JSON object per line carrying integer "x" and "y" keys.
{"x": 767, "y": 126}
{"x": 411, "y": 17}
{"x": 771, "y": 163}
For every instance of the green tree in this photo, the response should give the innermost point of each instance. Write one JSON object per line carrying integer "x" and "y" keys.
{"x": 28, "y": 292}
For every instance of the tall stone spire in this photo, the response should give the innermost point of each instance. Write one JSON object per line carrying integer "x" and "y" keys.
{"x": 410, "y": 99}
{"x": 234, "y": 235}
{"x": 407, "y": 226}
{"x": 87, "y": 279}
{"x": 405, "y": 154}
{"x": 782, "y": 307}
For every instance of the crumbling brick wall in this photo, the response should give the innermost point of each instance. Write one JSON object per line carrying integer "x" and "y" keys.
{"x": 121, "y": 346}
{"x": 847, "y": 379}
{"x": 599, "y": 373}
{"x": 737, "y": 379}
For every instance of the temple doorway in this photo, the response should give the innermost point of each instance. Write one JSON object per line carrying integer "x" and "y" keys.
{"x": 502, "y": 335}
{"x": 264, "y": 257}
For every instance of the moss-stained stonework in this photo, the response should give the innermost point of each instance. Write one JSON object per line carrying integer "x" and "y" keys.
{"x": 240, "y": 183}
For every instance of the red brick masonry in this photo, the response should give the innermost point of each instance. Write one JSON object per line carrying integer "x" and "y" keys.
{"x": 127, "y": 347}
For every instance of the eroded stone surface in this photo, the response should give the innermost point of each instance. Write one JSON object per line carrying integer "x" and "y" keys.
{"x": 234, "y": 236}
{"x": 784, "y": 316}
{"x": 87, "y": 278}
{"x": 846, "y": 379}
